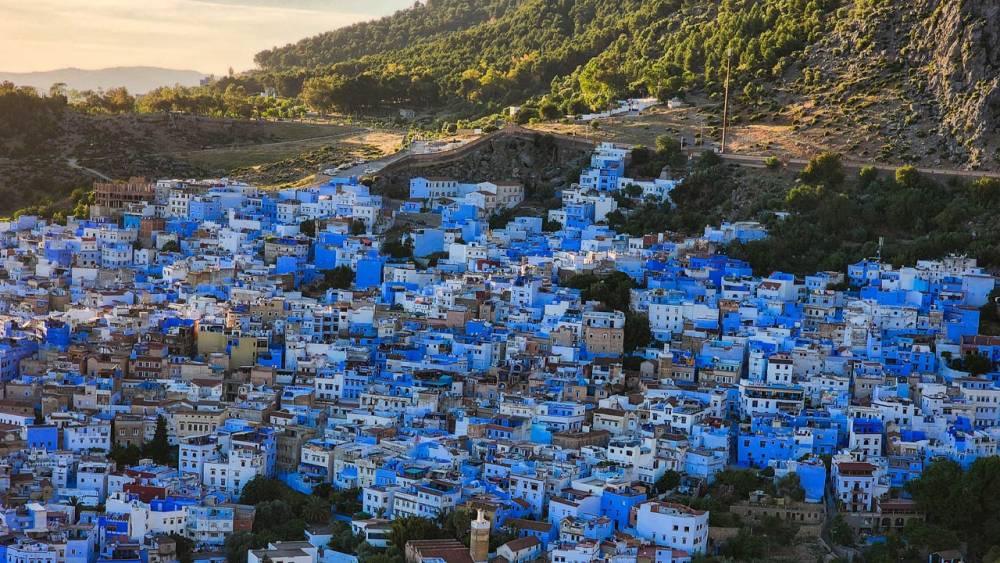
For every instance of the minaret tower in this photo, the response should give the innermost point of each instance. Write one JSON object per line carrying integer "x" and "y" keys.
{"x": 479, "y": 546}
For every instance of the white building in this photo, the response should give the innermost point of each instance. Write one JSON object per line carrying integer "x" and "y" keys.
{"x": 89, "y": 436}
{"x": 673, "y": 525}
{"x": 93, "y": 475}
{"x": 29, "y": 551}
{"x": 855, "y": 485}
{"x": 779, "y": 369}
{"x": 232, "y": 472}
{"x": 530, "y": 489}
{"x": 426, "y": 501}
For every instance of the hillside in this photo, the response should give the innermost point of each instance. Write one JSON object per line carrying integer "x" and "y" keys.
{"x": 914, "y": 84}
{"x": 137, "y": 79}
{"x": 390, "y": 33}
{"x": 878, "y": 79}
{"x": 49, "y": 149}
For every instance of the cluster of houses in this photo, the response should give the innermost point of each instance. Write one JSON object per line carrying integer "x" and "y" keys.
{"x": 468, "y": 375}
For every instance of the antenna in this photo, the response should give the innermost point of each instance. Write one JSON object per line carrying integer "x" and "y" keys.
{"x": 725, "y": 102}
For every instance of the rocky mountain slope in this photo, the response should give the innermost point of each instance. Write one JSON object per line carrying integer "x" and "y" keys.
{"x": 917, "y": 83}
{"x": 882, "y": 79}
{"x": 961, "y": 48}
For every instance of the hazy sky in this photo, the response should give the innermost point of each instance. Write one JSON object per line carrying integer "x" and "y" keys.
{"x": 203, "y": 35}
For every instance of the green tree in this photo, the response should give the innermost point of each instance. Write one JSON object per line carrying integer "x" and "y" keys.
{"x": 397, "y": 249}
{"x": 185, "y": 548}
{"x": 341, "y": 277}
{"x": 867, "y": 175}
{"x": 237, "y": 545}
{"x": 668, "y": 481}
{"x": 171, "y": 246}
{"x": 344, "y": 540}
{"x": 908, "y": 177}
{"x": 892, "y": 550}
{"x": 316, "y": 510}
{"x": 824, "y": 169}
{"x": 236, "y": 101}
{"x": 989, "y": 314}
{"x": 358, "y": 227}
{"x": 501, "y": 219}
{"x": 966, "y": 503}
{"x": 975, "y": 364}
{"x": 308, "y": 227}
{"x": 633, "y": 190}
{"x": 746, "y": 546}
{"x": 637, "y": 332}
{"x": 551, "y": 226}
{"x": 985, "y": 191}
{"x": 526, "y": 114}
{"x": 159, "y": 449}
{"x": 840, "y": 532}
{"x": 346, "y": 501}
{"x": 413, "y": 528}
{"x": 318, "y": 93}
{"x": 118, "y": 100}
{"x": 323, "y": 490}
{"x": 929, "y": 537}
{"x": 457, "y": 524}
{"x": 805, "y": 198}
{"x": 549, "y": 110}
{"x": 125, "y": 456}
{"x": 613, "y": 291}
{"x": 733, "y": 485}
{"x": 667, "y": 144}
{"x": 790, "y": 487}
{"x": 261, "y": 489}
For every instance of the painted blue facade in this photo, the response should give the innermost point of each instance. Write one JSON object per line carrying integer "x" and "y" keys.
{"x": 617, "y": 505}
{"x": 44, "y": 437}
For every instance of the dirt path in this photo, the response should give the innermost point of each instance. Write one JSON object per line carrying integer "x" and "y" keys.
{"x": 754, "y": 161}
{"x": 72, "y": 162}
{"x": 749, "y": 145}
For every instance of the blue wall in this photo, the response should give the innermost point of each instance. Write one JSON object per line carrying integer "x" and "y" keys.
{"x": 618, "y": 506}
{"x": 45, "y": 437}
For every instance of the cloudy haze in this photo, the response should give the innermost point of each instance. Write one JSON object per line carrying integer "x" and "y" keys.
{"x": 203, "y": 35}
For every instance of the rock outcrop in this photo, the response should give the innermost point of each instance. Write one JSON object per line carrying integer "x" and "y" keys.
{"x": 959, "y": 40}
{"x": 543, "y": 163}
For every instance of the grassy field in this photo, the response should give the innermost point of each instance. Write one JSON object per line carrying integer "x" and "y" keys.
{"x": 90, "y": 147}
{"x": 227, "y": 158}
{"x": 292, "y": 142}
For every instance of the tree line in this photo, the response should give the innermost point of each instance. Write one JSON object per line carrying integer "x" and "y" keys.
{"x": 27, "y": 120}
{"x": 555, "y": 57}
{"x": 24, "y": 111}
{"x": 569, "y": 56}
{"x": 833, "y": 216}
{"x": 233, "y": 100}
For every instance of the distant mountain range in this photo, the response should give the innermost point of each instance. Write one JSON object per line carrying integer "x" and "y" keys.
{"x": 138, "y": 79}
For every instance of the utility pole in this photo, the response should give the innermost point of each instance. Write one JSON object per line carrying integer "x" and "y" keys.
{"x": 725, "y": 102}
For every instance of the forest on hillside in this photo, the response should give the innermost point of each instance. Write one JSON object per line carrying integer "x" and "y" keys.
{"x": 856, "y": 69}
{"x": 578, "y": 54}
